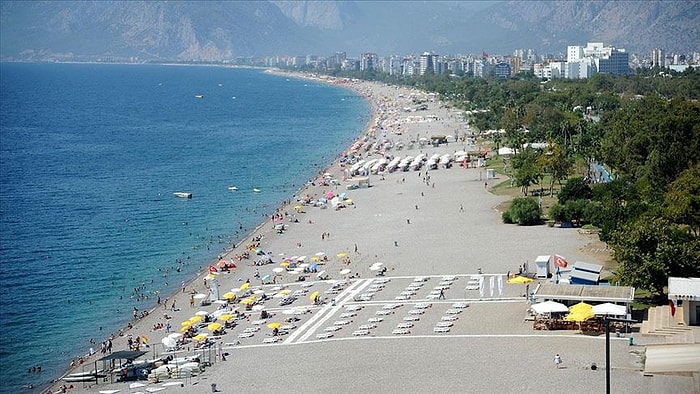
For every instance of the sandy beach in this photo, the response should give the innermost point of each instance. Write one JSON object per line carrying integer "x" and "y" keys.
{"x": 427, "y": 227}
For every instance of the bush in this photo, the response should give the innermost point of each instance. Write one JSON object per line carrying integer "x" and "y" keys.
{"x": 557, "y": 213}
{"x": 525, "y": 211}
{"x": 506, "y": 217}
{"x": 574, "y": 189}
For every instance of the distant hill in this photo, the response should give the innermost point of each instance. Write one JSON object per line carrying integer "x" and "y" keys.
{"x": 193, "y": 30}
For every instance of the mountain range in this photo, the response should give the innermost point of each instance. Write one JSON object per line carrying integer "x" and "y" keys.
{"x": 221, "y": 30}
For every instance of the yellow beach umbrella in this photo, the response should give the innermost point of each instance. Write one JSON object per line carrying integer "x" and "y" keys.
{"x": 185, "y": 328}
{"x": 341, "y": 255}
{"x": 581, "y": 306}
{"x": 315, "y": 295}
{"x": 285, "y": 264}
{"x": 229, "y": 296}
{"x": 520, "y": 280}
{"x": 274, "y": 325}
{"x": 245, "y": 286}
{"x": 315, "y": 258}
{"x": 247, "y": 301}
{"x": 214, "y": 326}
{"x": 285, "y": 292}
{"x": 196, "y": 319}
{"x": 200, "y": 337}
{"x": 186, "y": 323}
{"x": 226, "y": 317}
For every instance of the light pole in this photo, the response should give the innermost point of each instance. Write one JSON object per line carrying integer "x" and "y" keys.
{"x": 607, "y": 348}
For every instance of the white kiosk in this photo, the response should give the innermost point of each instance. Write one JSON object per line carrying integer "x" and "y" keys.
{"x": 542, "y": 264}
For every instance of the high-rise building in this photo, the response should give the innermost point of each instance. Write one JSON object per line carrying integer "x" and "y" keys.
{"x": 428, "y": 63}
{"x": 658, "y": 58}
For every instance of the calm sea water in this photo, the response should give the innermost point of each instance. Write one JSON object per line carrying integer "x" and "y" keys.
{"x": 90, "y": 156}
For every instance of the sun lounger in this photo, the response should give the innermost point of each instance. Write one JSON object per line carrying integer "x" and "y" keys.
{"x": 347, "y": 315}
{"x": 391, "y": 306}
{"x": 402, "y": 298}
{"x": 245, "y": 335}
{"x": 272, "y": 340}
{"x": 332, "y": 328}
{"x": 258, "y": 322}
{"x": 460, "y": 305}
{"x": 367, "y": 326}
{"x": 401, "y": 331}
{"x": 359, "y": 333}
{"x": 432, "y": 296}
{"x": 453, "y": 311}
{"x": 420, "y": 279}
{"x": 449, "y": 277}
{"x": 383, "y": 312}
{"x": 416, "y": 312}
{"x": 411, "y": 318}
{"x": 405, "y": 325}
{"x": 353, "y": 308}
{"x": 252, "y": 329}
{"x": 324, "y": 335}
{"x": 341, "y": 322}
{"x": 441, "y": 330}
{"x": 449, "y": 318}
{"x": 444, "y": 324}
{"x": 375, "y": 320}
{"x": 422, "y": 305}
{"x": 407, "y": 293}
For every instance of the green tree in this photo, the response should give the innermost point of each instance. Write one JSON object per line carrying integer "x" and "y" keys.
{"x": 555, "y": 162}
{"x": 527, "y": 171}
{"x": 575, "y": 188}
{"x": 650, "y": 249}
{"x": 525, "y": 211}
{"x": 682, "y": 200}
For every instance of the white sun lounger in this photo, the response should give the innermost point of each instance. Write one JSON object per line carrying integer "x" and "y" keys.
{"x": 324, "y": 335}
{"x": 411, "y": 318}
{"x": 400, "y": 331}
{"x": 444, "y": 324}
{"x": 405, "y": 325}
{"x": 449, "y": 318}
{"x": 453, "y": 311}
{"x": 359, "y": 333}
{"x": 441, "y": 330}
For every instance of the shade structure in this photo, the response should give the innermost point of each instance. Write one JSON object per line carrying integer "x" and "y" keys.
{"x": 315, "y": 295}
{"x": 226, "y": 317}
{"x": 229, "y": 296}
{"x": 549, "y": 307}
{"x": 169, "y": 342}
{"x": 520, "y": 280}
{"x": 245, "y": 286}
{"x": 274, "y": 325}
{"x": 580, "y": 312}
{"x": 610, "y": 309}
{"x": 201, "y": 337}
{"x": 196, "y": 319}
{"x": 214, "y": 326}
{"x": 247, "y": 301}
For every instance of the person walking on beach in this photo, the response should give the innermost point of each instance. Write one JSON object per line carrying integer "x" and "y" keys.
{"x": 442, "y": 295}
{"x": 557, "y": 360}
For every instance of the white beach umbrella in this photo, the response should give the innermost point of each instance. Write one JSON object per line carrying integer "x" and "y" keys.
{"x": 258, "y": 307}
{"x": 278, "y": 270}
{"x": 169, "y": 342}
{"x": 345, "y": 271}
{"x": 201, "y": 313}
{"x": 549, "y": 307}
{"x": 609, "y": 309}
{"x": 199, "y": 296}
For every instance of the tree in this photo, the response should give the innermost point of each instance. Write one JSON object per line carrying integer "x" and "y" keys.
{"x": 527, "y": 172}
{"x": 682, "y": 200}
{"x": 574, "y": 189}
{"x": 650, "y": 249}
{"x": 555, "y": 161}
{"x": 525, "y": 211}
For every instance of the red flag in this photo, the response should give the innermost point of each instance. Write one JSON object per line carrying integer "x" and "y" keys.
{"x": 560, "y": 261}
{"x": 212, "y": 269}
{"x": 673, "y": 307}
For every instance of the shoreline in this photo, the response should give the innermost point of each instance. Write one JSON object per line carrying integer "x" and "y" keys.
{"x": 391, "y": 222}
{"x": 229, "y": 253}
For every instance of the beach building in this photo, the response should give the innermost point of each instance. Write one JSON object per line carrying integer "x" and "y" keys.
{"x": 684, "y": 295}
{"x": 569, "y": 293}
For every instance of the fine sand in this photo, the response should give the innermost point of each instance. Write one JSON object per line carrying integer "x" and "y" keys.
{"x": 446, "y": 225}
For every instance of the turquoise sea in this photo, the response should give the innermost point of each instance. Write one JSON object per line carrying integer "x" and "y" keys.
{"x": 90, "y": 156}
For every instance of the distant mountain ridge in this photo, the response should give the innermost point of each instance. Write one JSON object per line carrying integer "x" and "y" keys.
{"x": 209, "y": 31}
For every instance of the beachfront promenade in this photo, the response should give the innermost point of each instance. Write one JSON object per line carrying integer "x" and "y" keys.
{"x": 426, "y": 228}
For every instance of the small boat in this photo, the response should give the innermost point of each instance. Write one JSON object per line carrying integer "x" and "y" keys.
{"x": 199, "y": 96}
{"x": 183, "y": 194}
{"x": 256, "y": 190}
{"x": 232, "y": 188}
